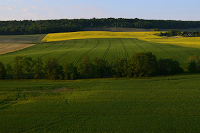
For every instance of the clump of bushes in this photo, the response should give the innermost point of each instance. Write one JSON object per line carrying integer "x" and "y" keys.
{"x": 194, "y": 64}
{"x": 168, "y": 66}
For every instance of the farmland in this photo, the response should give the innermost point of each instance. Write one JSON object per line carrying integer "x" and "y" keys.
{"x": 145, "y": 36}
{"x": 21, "y": 38}
{"x": 161, "y": 104}
{"x": 11, "y": 43}
{"x": 97, "y": 34}
{"x": 106, "y": 48}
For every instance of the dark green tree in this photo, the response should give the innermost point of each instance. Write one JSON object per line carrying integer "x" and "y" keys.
{"x": 168, "y": 66}
{"x": 195, "y": 59}
{"x": 18, "y": 68}
{"x": 2, "y": 71}
{"x": 171, "y": 32}
{"x": 192, "y": 67}
{"x": 28, "y": 65}
{"x": 85, "y": 68}
{"x": 142, "y": 64}
{"x": 52, "y": 69}
{"x": 100, "y": 67}
{"x": 9, "y": 71}
{"x": 38, "y": 69}
{"x": 119, "y": 67}
{"x": 70, "y": 71}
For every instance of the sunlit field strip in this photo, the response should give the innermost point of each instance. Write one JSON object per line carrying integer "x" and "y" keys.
{"x": 179, "y": 41}
{"x": 95, "y": 34}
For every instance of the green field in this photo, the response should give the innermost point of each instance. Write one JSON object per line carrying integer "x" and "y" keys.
{"x": 73, "y": 50}
{"x": 161, "y": 104}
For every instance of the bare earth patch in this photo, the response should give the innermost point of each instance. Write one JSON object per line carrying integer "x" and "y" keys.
{"x": 9, "y": 47}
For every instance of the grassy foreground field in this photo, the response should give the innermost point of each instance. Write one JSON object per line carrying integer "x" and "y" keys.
{"x": 163, "y": 104}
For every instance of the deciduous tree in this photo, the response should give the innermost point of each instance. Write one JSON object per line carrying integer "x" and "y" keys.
{"x": 85, "y": 68}
{"x": 28, "y": 65}
{"x": 2, "y": 71}
{"x": 38, "y": 69}
{"x": 18, "y": 68}
{"x": 52, "y": 69}
{"x": 70, "y": 71}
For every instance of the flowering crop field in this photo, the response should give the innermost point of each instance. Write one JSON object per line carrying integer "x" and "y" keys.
{"x": 179, "y": 41}
{"x": 159, "y": 104}
{"x": 145, "y": 36}
{"x": 96, "y": 34}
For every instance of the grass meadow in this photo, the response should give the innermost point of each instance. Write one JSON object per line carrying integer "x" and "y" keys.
{"x": 160, "y": 104}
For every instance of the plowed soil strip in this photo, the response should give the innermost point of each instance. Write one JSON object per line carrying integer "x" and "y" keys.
{"x": 6, "y": 48}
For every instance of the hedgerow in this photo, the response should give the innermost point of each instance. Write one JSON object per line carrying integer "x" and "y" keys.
{"x": 142, "y": 64}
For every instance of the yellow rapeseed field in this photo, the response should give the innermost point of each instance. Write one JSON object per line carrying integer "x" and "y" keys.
{"x": 145, "y": 36}
{"x": 96, "y": 34}
{"x": 179, "y": 41}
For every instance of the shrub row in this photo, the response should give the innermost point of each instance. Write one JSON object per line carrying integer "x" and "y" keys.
{"x": 143, "y": 64}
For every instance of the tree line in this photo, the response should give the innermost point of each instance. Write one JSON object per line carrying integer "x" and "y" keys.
{"x": 66, "y": 25}
{"x": 178, "y": 33}
{"x": 142, "y": 64}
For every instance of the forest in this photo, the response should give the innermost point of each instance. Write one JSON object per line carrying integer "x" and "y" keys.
{"x": 24, "y": 27}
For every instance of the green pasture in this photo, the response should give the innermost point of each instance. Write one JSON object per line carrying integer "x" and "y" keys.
{"x": 160, "y": 104}
{"x": 22, "y": 38}
{"x": 108, "y": 49}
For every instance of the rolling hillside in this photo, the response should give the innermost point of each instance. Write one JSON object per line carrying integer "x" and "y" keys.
{"x": 74, "y": 50}
{"x": 72, "y": 46}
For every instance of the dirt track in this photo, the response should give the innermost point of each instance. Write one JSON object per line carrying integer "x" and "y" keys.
{"x": 6, "y": 48}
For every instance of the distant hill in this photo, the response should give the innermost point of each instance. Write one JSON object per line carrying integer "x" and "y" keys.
{"x": 67, "y": 25}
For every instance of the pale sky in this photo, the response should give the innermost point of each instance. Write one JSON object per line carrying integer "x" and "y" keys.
{"x": 70, "y": 9}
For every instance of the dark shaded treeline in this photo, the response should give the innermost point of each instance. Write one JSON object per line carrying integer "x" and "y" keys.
{"x": 178, "y": 33}
{"x": 143, "y": 64}
{"x": 66, "y": 25}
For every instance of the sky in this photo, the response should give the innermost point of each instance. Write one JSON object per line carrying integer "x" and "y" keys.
{"x": 75, "y": 9}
